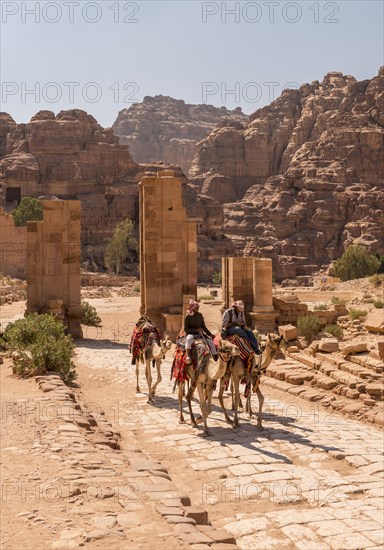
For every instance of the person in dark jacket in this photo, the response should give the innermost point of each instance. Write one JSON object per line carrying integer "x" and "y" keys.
{"x": 195, "y": 327}
{"x": 234, "y": 323}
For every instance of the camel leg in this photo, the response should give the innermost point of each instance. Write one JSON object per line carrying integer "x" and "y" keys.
{"x": 221, "y": 400}
{"x": 137, "y": 376}
{"x": 208, "y": 394}
{"x": 233, "y": 400}
{"x": 181, "y": 393}
{"x": 249, "y": 404}
{"x": 159, "y": 379}
{"x": 236, "y": 383}
{"x": 189, "y": 399}
{"x": 203, "y": 407}
{"x": 260, "y": 397}
{"x": 148, "y": 376}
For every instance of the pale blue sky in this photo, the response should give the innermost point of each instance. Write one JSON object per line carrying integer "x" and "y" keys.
{"x": 170, "y": 50}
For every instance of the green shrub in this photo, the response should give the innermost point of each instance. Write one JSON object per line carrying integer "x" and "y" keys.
{"x": 89, "y": 315}
{"x": 335, "y": 300}
{"x": 378, "y": 303}
{"x": 205, "y": 297}
{"x": 356, "y": 262}
{"x": 320, "y": 307}
{"x": 357, "y": 314}
{"x": 136, "y": 288}
{"x": 377, "y": 280}
{"x": 217, "y": 278}
{"x": 335, "y": 330}
{"x": 29, "y": 209}
{"x": 308, "y": 326}
{"x": 42, "y": 345}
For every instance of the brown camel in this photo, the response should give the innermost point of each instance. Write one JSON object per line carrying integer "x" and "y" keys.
{"x": 238, "y": 372}
{"x": 153, "y": 353}
{"x": 203, "y": 378}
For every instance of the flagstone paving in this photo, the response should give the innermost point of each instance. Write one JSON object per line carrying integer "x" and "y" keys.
{"x": 311, "y": 479}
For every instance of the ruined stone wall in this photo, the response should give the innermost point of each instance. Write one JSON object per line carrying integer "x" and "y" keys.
{"x": 53, "y": 263}
{"x": 13, "y": 247}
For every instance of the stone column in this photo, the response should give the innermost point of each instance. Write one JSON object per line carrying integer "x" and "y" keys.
{"x": 168, "y": 251}
{"x": 263, "y": 315}
{"x": 53, "y": 264}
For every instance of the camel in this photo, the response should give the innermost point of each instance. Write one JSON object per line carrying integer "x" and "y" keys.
{"x": 238, "y": 373}
{"x": 152, "y": 353}
{"x": 203, "y": 378}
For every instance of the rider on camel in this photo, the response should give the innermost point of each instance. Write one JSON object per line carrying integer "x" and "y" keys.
{"x": 233, "y": 323}
{"x": 195, "y": 327}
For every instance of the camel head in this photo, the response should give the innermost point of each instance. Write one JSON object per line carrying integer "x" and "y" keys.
{"x": 166, "y": 345}
{"x": 227, "y": 350}
{"x": 275, "y": 342}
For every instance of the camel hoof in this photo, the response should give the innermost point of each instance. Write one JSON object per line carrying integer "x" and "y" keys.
{"x": 229, "y": 421}
{"x": 199, "y": 420}
{"x": 259, "y": 427}
{"x": 235, "y": 425}
{"x": 206, "y": 434}
{"x": 138, "y": 390}
{"x": 182, "y": 421}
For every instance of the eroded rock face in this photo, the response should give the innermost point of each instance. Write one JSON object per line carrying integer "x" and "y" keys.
{"x": 305, "y": 178}
{"x": 71, "y": 156}
{"x": 165, "y": 129}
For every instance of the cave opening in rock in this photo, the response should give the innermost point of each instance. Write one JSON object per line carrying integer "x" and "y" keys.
{"x": 13, "y": 194}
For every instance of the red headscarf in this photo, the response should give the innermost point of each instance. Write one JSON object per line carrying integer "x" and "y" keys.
{"x": 192, "y": 307}
{"x": 239, "y": 304}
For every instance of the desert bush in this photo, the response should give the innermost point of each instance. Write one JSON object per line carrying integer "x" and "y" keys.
{"x": 337, "y": 300}
{"x": 355, "y": 262}
{"x": 357, "y": 314}
{"x": 206, "y": 297}
{"x": 378, "y": 304}
{"x": 42, "y": 345}
{"x": 29, "y": 209}
{"x": 136, "y": 288}
{"x": 89, "y": 315}
{"x": 217, "y": 278}
{"x": 335, "y": 330}
{"x": 377, "y": 280}
{"x": 320, "y": 307}
{"x": 308, "y": 326}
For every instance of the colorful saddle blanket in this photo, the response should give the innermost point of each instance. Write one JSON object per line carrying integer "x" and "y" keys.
{"x": 144, "y": 335}
{"x": 199, "y": 355}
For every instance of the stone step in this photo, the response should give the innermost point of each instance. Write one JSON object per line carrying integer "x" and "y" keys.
{"x": 370, "y": 363}
{"x": 329, "y": 379}
{"x": 372, "y": 412}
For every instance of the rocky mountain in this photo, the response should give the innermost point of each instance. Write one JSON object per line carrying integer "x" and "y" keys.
{"x": 165, "y": 129}
{"x": 71, "y": 156}
{"x": 305, "y": 177}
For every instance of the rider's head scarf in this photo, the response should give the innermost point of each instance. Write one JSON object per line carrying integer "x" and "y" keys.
{"x": 238, "y": 304}
{"x": 192, "y": 307}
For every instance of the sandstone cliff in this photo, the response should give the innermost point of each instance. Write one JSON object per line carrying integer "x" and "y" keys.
{"x": 305, "y": 177}
{"x": 71, "y": 156}
{"x": 165, "y": 129}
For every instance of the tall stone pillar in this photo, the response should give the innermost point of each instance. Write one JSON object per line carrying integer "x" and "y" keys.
{"x": 263, "y": 315}
{"x": 53, "y": 264}
{"x": 168, "y": 251}
{"x": 237, "y": 280}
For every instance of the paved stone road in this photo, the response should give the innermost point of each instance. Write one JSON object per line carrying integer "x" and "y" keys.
{"x": 311, "y": 480}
